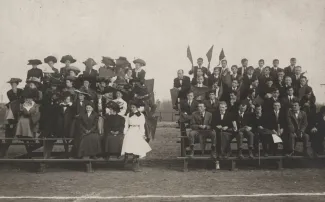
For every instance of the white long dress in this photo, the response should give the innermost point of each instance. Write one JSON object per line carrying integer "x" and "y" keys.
{"x": 134, "y": 140}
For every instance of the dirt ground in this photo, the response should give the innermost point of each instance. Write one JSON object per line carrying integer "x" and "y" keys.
{"x": 162, "y": 176}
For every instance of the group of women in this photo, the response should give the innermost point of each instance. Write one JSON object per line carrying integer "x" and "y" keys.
{"x": 103, "y": 111}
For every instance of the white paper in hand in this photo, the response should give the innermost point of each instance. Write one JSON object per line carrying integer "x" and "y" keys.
{"x": 276, "y": 138}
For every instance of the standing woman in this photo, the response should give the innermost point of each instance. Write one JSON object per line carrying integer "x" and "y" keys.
{"x": 67, "y": 60}
{"x": 138, "y": 72}
{"x": 35, "y": 72}
{"x": 134, "y": 141}
{"x": 14, "y": 93}
{"x": 51, "y": 60}
{"x": 89, "y": 146}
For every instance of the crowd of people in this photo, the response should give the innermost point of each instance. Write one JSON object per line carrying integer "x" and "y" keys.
{"x": 252, "y": 103}
{"x": 104, "y": 111}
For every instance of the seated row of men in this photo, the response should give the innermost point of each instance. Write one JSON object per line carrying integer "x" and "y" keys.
{"x": 222, "y": 122}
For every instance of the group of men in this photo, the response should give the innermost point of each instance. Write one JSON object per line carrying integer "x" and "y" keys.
{"x": 252, "y": 103}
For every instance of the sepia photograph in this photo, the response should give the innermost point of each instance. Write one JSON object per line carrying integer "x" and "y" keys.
{"x": 162, "y": 100}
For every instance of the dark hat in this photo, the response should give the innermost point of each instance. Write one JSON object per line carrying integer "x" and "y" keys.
{"x": 250, "y": 67}
{"x": 109, "y": 89}
{"x": 140, "y": 61}
{"x": 308, "y": 90}
{"x": 113, "y": 105}
{"x": 50, "y": 58}
{"x": 90, "y": 62}
{"x": 34, "y": 62}
{"x": 14, "y": 80}
{"x": 135, "y": 103}
{"x": 122, "y": 62}
{"x": 34, "y": 80}
{"x": 73, "y": 68}
{"x": 108, "y": 61}
{"x": 67, "y": 57}
{"x": 70, "y": 78}
{"x": 30, "y": 93}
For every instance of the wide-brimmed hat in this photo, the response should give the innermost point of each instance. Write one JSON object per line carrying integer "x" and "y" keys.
{"x": 113, "y": 105}
{"x": 34, "y": 62}
{"x": 50, "y": 58}
{"x": 14, "y": 80}
{"x": 140, "y": 61}
{"x": 73, "y": 68}
{"x": 122, "y": 62}
{"x": 90, "y": 62}
{"x": 108, "y": 61}
{"x": 35, "y": 80}
{"x": 67, "y": 57}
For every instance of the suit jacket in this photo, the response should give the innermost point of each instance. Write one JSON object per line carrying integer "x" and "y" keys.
{"x": 271, "y": 122}
{"x": 93, "y": 75}
{"x": 242, "y": 71}
{"x": 185, "y": 86}
{"x": 194, "y": 81}
{"x": 256, "y": 122}
{"x": 274, "y": 72}
{"x": 15, "y": 96}
{"x": 197, "y": 120}
{"x": 297, "y": 125}
{"x": 238, "y": 77}
{"x": 141, "y": 75}
{"x": 295, "y": 81}
{"x": 226, "y": 121}
{"x": 65, "y": 122}
{"x": 212, "y": 79}
{"x": 280, "y": 85}
{"x": 258, "y": 72}
{"x": 233, "y": 108}
{"x": 114, "y": 123}
{"x": 211, "y": 107}
{"x": 38, "y": 73}
{"x": 80, "y": 109}
{"x": 285, "y": 103}
{"x": 262, "y": 79}
{"x": 301, "y": 91}
{"x": 268, "y": 104}
{"x": 189, "y": 109}
{"x": 288, "y": 71}
{"x": 248, "y": 81}
{"x": 245, "y": 121}
{"x": 194, "y": 71}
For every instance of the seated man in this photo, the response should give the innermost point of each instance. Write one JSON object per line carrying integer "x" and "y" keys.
{"x": 243, "y": 129}
{"x": 233, "y": 104}
{"x": 286, "y": 101}
{"x": 297, "y": 124}
{"x": 222, "y": 124}
{"x": 182, "y": 83}
{"x": 215, "y": 77}
{"x": 212, "y": 103}
{"x": 268, "y": 102}
{"x": 318, "y": 131}
{"x": 201, "y": 127}
{"x": 189, "y": 105}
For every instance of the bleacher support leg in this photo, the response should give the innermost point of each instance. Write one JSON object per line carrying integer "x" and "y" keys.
{"x": 280, "y": 164}
{"x": 185, "y": 169}
{"x": 233, "y": 165}
{"x": 89, "y": 167}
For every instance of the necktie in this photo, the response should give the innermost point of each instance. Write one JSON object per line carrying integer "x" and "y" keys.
{"x": 189, "y": 102}
{"x": 277, "y": 115}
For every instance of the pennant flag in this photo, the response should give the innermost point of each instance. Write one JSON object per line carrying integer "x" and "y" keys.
{"x": 174, "y": 95}
{"x": 209, "y": 54}
{"x": 199, "y": 92}
{"x": 221, "y": 55}
{"x": 189, "y": 55}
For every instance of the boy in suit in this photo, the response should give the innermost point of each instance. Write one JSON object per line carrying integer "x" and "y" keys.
{"x": 243, "y": 129}
{"x": 289, "y": 71}
{"x": 182, "y": 83}
{"x": 201, "y": 127}
{"x": 242, "y": 70}
{"x": 222, "y": 124}
{"x": 259, "y": 70}
{"x": 199, "y": 66}
{"x": 212, "y": 103}
{"x": 297, "y": 124}
{"x": 275, "y": 69}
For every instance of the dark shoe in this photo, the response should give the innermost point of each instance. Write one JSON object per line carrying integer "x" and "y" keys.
{"x": 250, "y": 154}
{"x": 290, "y": 154}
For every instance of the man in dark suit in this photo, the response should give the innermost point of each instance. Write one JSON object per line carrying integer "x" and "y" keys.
{"x": 265, "y": 76}
{"x": 268, "y": 102}
{"x": 233, "y": 104}
{"x": 201, "y": 127}
{"x": 215, "y": 77}
{"x": 189, "y": 105}
{"x": 234, "y": 73}
{"x": 289, "y": 71}
{"x": 279, "y": 83}
{"x": 182, "y": 83}
{"x": 195, "y": 68}
{"x": 275, "y": 69}
{"x": 296, "y": 77}
{"x": 199, "y": 81}
{"x": 259, "y": 70}
{"x": 243, "y": 129}
{"x": 227, "y": 91}
{"x": 302, "y": 88}
{"x": 318, "y": 131}
{"x": 297, "y": 124}
{"x": 287, "y": 100}
{"x": 249, "y": 77}
{"x": 212, "y": 103}
{"x": 242, "y": 70}
{"x": 222, "y": 124}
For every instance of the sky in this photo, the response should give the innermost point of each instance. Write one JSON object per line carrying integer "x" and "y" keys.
{"x": 159, "y": 32}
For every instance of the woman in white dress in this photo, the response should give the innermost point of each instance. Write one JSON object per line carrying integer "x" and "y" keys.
{"x": 134, "y": 141}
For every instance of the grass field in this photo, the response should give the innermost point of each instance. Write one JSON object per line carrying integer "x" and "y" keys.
{"x": 162, "y": 176}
